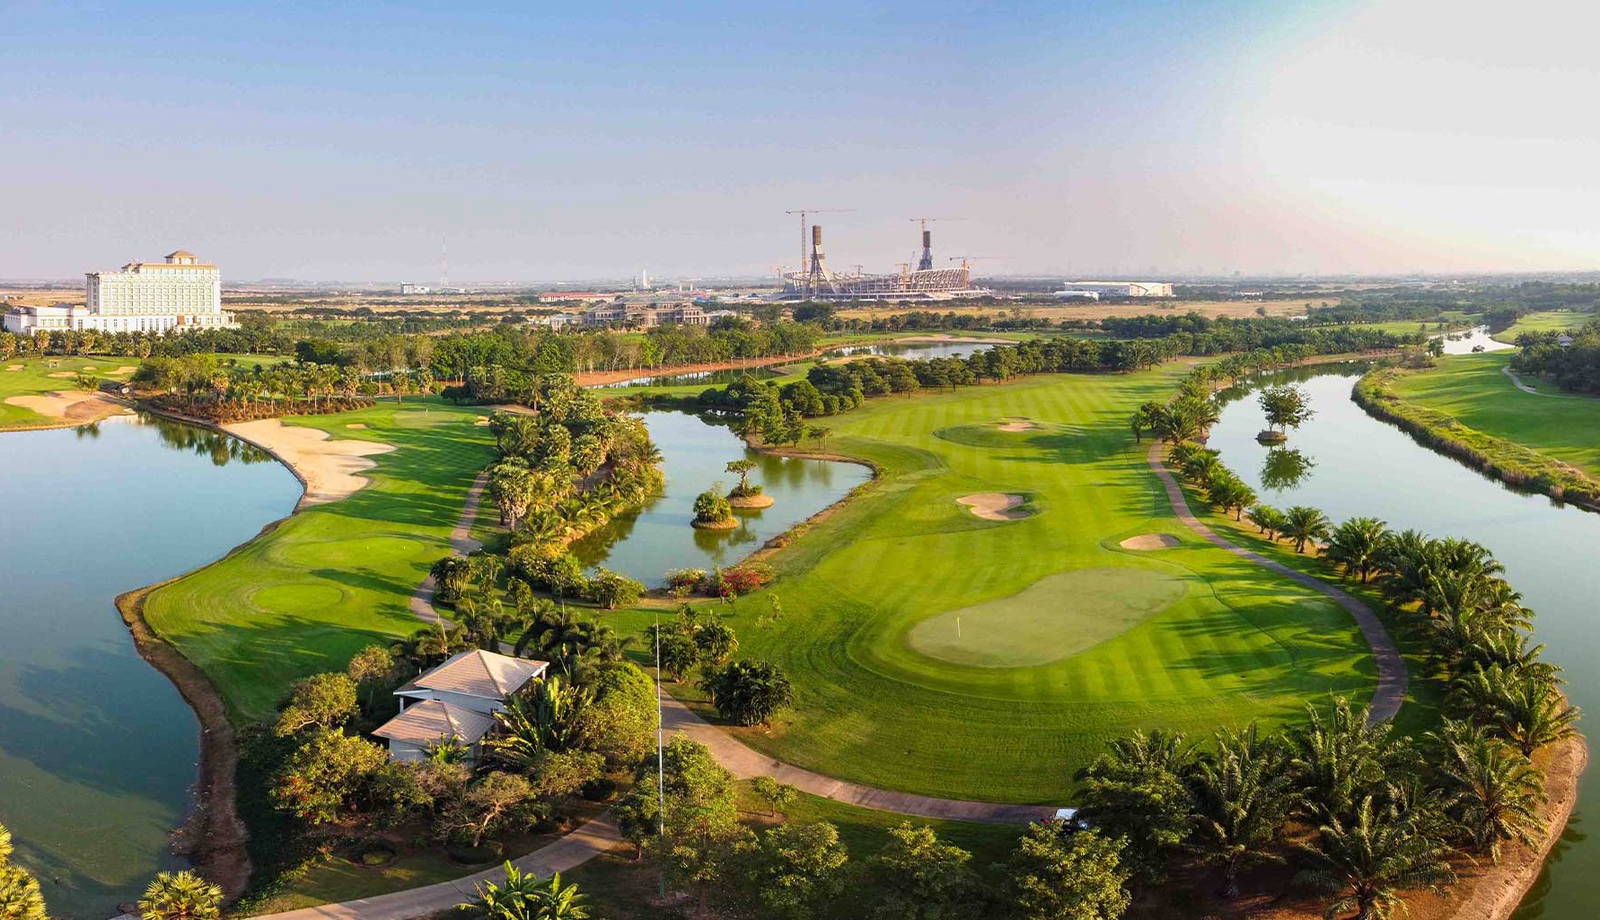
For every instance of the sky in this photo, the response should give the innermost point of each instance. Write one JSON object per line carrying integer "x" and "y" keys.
{"x": 549, "y": 142}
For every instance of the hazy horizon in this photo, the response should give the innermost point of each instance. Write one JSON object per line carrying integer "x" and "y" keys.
{"x": 324, "y": 142}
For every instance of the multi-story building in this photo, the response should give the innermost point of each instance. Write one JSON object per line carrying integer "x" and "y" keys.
{"x": 643, "y": 315}
{"x": 1117, "y": 288}
{"x": 179, "y": 293}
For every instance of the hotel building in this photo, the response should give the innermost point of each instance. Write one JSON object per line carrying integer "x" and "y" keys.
{"x": 179, "y": 293}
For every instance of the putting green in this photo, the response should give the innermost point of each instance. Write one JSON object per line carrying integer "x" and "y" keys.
{"x": 1053, "y": 618}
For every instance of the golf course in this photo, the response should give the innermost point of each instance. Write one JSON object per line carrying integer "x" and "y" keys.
{"x": 318, "y": 585}
{"x": 1475, "y": 390}
{"x": 936, "y": 652}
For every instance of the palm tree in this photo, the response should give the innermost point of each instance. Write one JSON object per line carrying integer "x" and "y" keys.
{"x": 1340, "y": 758}
{"x": 526, "y": 897}
{"x": 1495, "y": 792}
{"x": 1136, "y": 790}
{"x": 1243, "y": 793}
{"x": 1269, "y": 519}
{"x": 1371, "y": 859}
{"x": 1355, "y": 545}
{"x": 1303, "y": 524}
{"x": 180, "y": 896}
{"x": 1524, "y": 708}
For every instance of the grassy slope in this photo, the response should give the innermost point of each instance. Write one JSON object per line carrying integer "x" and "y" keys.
{"x": 34, "y": 379}
{"x": 1545, "y": 321}
{"x": 1241, "y": 644}
{"x": 1473, "y": 389}
{"x": 325, "y": 582}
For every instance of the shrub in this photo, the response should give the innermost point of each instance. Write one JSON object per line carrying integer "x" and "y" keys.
{"x": 710, "y": 507}
{"x": 683, "y": 582}
{"x": 611, "y": 590}
{"x": 739, "y": 580}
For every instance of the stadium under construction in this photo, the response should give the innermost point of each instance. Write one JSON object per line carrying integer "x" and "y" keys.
{"x": 818, "y": 282}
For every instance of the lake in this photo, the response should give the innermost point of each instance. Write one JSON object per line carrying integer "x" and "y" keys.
{"x": 1363, "y": 467}
{"x": 648, "y": 543}
{"x": 912, "y": 351}
{"x": 98, "y": 751}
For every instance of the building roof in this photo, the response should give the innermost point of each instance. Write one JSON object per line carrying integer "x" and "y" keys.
{"x": 431, "y": 721}
{"x": 488, "y": 675}
{"x": 180, "y": 254}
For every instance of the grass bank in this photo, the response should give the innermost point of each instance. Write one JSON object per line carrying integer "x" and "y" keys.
{"x": 1467, "y": 408}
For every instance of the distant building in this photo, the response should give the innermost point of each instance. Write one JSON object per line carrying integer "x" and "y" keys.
{"x": 645, "y": 316}
{"x": 456, "y": 702}
{"x": 556, "y": 320}
{"x": 1118, "y": 288}
{"x": 407, "y": 287}
{"x": 180, "y": 293}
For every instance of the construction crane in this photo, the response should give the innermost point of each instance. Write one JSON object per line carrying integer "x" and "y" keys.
{"x": 804, "y": 258}
{"x": 926, "y": 262}
{"x": 966, "y": 261}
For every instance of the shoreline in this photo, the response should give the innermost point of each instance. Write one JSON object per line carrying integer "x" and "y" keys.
{"x": 1442, "y": 433}
{"x": 107, "y": 407}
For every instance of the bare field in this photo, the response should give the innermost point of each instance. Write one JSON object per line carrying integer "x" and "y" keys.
{"x": 39, "y": 297}
{"x": 1096, "y": 310}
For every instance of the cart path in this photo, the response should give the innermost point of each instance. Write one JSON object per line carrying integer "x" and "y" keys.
{"x": 745, "y": 762}
{"x": 461, "y": 542}
{"x": 1519, "y": 384}
{"x": 1391, "y": 690}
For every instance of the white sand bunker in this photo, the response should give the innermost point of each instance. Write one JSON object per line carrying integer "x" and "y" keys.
{"x": 1150, "y": 541}
{"x": 13, "y": 367}
{"x": 70, "y": 405}
{"x": 64, "y": 374}
{"x": 482, "y": 421}
{"x": 355, "y": 425}
{"x": 1020, "y": 424}
{"x": 995, "y": 506}
{"x": 124, "y": 369}
{"x": 331, "y": 469}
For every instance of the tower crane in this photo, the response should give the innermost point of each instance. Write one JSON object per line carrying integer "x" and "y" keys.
{"x": 804, "y": 259}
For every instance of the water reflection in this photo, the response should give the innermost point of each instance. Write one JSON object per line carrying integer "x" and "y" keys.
{"x": 1285, "y": 468}
{"x": 696, "y": 450}
{"x": 221, "y": 448}
{"x": 913, "y": 352}
{"x": 708, "y": 378}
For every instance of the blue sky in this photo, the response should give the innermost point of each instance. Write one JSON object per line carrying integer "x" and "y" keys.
{"x": 553, "y": 141}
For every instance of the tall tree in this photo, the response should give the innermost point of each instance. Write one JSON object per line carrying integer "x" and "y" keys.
{"x": 917, "y": 877}
{"x": 1244, "y": 791}
{"x": 1136, "y": 791}
{"x": 1368, "y": 861}
{"x": 1057, "y": 874}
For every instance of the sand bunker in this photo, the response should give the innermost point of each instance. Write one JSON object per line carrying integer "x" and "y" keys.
{"x": 13, "y": 367}
{"x": 355, "y": 425}
{"x": 1150, "y": 541}
{"x": 995, "y": 506}
{"x": 124, "y": 369}
{"x": 75, "y": 406}
{"x": 1020, "y": 424}
{"x": 482, "y": 421}
{"x": 330, "y": 469}
{"x": 63, "y": 374}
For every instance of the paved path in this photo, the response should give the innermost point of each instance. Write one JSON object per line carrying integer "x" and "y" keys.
{"x": 588, "y": 841}
{"x": 1517, "y": 381}
{"x": 461, "y": 541}
{"x": 744, "y": 762}
{"x": 1391, "y": 690}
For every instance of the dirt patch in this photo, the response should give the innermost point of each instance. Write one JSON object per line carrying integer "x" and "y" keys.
{"x": 758, "y": 500}
{"x": 1020, "y": 424}
{"x": 996, "y": 506}
{"x": 78, "y": 407}
{"x": 1150, "y": 541}
{"x": 330, "y": 469}
{"x": 214, "y": 836}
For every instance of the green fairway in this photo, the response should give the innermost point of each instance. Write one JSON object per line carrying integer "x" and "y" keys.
{"x": 1544, "y": 321}
{"x": 1056, "y": 616}
{"x": 310, "y": 592}
{"x": 1473, "y": 389}
{"x": 37, "y": 376}
{"x": 1233, "y": 642}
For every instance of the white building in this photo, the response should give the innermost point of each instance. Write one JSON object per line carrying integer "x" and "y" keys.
{"x": 456, "y": 703}
{"x": 180, "y": 293}
{"x": 1118, "y": 288}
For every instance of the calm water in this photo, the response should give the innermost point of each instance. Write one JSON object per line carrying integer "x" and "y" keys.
{"x": 708, "y": 378}
{"x": 914, "y": 352}
{"x": 648, "y": 544}
{"x": 1476, "y": 338}
{"x": 1361, "y": 466}
{"x": 97, "y": 750}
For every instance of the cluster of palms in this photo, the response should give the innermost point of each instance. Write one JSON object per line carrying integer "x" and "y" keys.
{"x": 1356, "y": 809}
